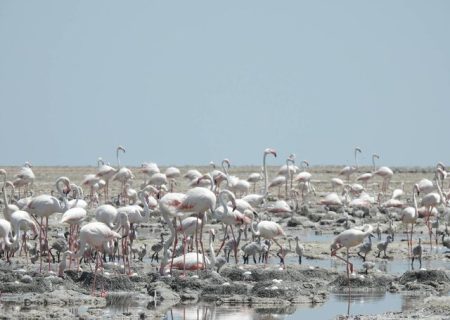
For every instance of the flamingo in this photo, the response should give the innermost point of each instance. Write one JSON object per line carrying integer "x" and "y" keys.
{"x": 299, "y": 249}
{"x": 74, "y": 217}
{"x": 215, "y": 262}
{"x": 254, "y": 178}
{"x": 268, "y": 230}
{"x": 44, "y": 206}
{"x": 417, "y": 252}
{"x": 431, "y": 200}
{"x": 123, "y": 175}
{"x": 349, "y": 170}
{"x": 172, "y": 173}
{"x": 348, "y": 239}
{"x": 78, "y": 201}
{"x": 91, "y": 180}
{"x": 5, "y": 232}
{"x": 409, "y": 215}
{"x": 106, "y": 172}
{"x": 385, "y": 172}
{"x": 97, "y": 235}
{"x": 266, "y": 176}
{"x": 168, "y": 205}
{"x": 336, "y": 182}
{"x": 25, "y": 177}
{"x": 365, "y": 177}
{"x": 107, "y": 214}
{"x": 199, "y": 200}
{"x": 8, "y": 208}
{"x": 230, "y": 218}
{"x": 190, "y": 261}
{"x": 149, "y": 169}
{"x": 22, "y": 219}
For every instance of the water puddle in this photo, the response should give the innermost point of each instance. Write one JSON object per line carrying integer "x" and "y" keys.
{"x": 337, "y": 304}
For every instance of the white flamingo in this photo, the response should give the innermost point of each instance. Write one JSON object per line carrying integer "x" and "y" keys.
{"x": 268, "y": 230}
{"x": 43, "y": 206}
{"x": 348, "y": 239}
{"x": 385, "y": 172}
{"x": 408, "y": 216}
{"x": 98, "y": 236}
{"x": 349, "y": 170}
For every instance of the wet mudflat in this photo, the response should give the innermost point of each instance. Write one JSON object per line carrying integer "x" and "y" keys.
{"x": 317, "y": 288}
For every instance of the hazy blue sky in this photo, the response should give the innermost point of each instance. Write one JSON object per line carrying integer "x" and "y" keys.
{"x": 187, "y": 82}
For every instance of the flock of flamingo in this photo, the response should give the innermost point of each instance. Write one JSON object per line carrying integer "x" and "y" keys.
{"x": 217, "y": 195}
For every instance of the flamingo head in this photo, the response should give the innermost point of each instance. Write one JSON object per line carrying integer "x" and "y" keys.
{"x": 270, "y": 150}
{"x": 121, "y": 149}
{"x": 227, "y": 161}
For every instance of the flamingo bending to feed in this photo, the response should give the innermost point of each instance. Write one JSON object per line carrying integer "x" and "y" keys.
{"x": 44, "y": 206}
{"x": 348, "y": 239}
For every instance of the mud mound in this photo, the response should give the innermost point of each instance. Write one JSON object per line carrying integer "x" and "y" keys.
{"x": 424, "y": 276}
{"x": 19, "y": 282}
{"x": 425, "y": 280}
{"x": 372, "y": 282}
{"x": 112, "y": 283}
{"x": 225, "y": 289}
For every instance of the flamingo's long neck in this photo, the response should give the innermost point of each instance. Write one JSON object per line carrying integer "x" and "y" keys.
{"x": 211, "y": 251}
{"x": 266, "y": 178}
{"x": 167, "y": 244}
{"x": 146, "y": 208}
{"x": 118, "y": 159}
{"x": 6, "y": 212}
{"x": 356, "y": 158}
{"x": 415, "y": 201}
{"x": 254, "y": 231}
{"x": 62, "y": 194}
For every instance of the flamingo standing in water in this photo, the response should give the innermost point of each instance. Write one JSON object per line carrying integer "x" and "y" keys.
{"x": 44, "y": 206}
{"x": 348, "y": 239}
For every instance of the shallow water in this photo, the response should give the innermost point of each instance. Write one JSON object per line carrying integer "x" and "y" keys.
{"x": 367, "y": 303}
